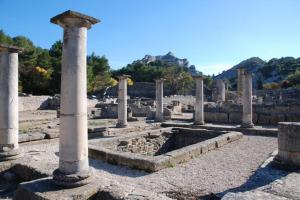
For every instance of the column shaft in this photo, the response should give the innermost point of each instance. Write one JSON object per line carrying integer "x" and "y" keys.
{"x": 122, "y": 102}
{"x": 247, "y": 101}
{"x": 9, "y": 116}
{"x": 239, "y": 93}
{"x": 159, "y": 113}
{"x": 73, "y": 106}
{"x": 199, "y": 107}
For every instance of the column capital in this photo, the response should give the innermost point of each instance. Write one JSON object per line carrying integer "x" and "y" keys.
{"x": 122, "y": 77}
{"x": 72, "y": 18}
{"x": 160, "y": 80}
{"x": 10, "y": 49}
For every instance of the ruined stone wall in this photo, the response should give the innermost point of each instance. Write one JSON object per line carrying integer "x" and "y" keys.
{"x": 280, "y": 95}
{"x": 262, "y": 114}
{"x": 31, "y": 103}
{"x": 142, "y": 111}
{"x": 28, "y": 103}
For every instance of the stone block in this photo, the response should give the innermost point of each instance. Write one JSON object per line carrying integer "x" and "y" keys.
{"x": 217, "y": 117}
{"x": 27, "y": 137}
{"x": 293, "y": 117}
{"x": 45, "y": 189}
{"x": 263, "y": 119}
{"x": 275, "y": 118}
{"x": 235, "y": 117}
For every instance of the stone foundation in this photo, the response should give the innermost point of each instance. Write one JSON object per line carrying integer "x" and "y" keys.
{"x": 159, "y": 149}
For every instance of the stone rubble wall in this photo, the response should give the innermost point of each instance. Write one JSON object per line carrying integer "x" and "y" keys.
{"x": 279, "y": 95}
{"x": 31, "y": 103}
{"x": 262, "y": 114}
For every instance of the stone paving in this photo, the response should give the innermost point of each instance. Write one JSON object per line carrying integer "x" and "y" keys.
{"x": 214, "y": 172}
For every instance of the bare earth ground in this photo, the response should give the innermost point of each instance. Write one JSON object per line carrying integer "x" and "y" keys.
{"x": 217, "y": 171}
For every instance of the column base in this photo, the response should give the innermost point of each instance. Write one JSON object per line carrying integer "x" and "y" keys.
{"x": 280, "y": 164}
{"x": 10, "y": 155}
{"x": 121, "y": 125}
{"x": 244, "y": 125}
{"x": 72, "y": 180}
{"x": 199, "y": 123}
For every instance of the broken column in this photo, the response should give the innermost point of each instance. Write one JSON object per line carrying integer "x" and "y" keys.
{"x": 218, "y": 92}
{"x": 9, "y": 112}
{"x": 247, "y": 100}
{"x": 74, "y": 167}
{"x": 240, "y": 72}
{"x": 159, "y": 114}
{"x": 122, "y": 101}
{"x": 288, "y": 145}
{"x": 199, "y": 107}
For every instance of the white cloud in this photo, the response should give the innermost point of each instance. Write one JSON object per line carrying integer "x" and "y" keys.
{"x": 213, "y": 69}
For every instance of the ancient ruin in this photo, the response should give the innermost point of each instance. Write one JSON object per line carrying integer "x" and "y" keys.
{"x": 135, "y": 141}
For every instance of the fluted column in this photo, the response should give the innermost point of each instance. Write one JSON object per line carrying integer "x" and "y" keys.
{"x": 122, "y": 101}
{"x": 9, "y": 113}
{"x": 74, "y": 167}
{"x": 159, "y": 113}
{"x": 199, "y": 106}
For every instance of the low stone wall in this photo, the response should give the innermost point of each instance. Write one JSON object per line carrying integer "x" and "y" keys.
{"x": 279, "y": 95}
{"x": 107, "y": 150}
{"x": 262, "y": 114}
{"x": 29, "y": 103}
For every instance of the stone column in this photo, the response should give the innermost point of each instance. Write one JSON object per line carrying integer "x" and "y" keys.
{"x": 199, "y": 108}
{"x": 74, "y": 167}
{"x": 240, "y": 72}
{"x": 122, "y": 101}
{"x": 159, "y": 113}
{"x": 288, "y": 145}
{"x": 9, "y": 112}
{"x": 247, "y": 100}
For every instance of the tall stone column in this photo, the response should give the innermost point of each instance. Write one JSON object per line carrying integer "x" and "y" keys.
{"x": 74, "y": 167}
{"x": 199, "y": 107}
{"x": 9, "y": 112}
{"x": 122, "y": 101}
{"x": 159, "y": 113}
{"x": 239, "y": 93}
{"x": 247, "y": 100}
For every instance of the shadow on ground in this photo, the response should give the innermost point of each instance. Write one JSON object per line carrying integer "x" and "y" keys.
{"x": 117, "y": 169}
{"x": 263, "y": 176}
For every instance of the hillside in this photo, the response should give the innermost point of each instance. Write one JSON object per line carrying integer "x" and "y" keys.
{"x": 169, "y": 59}
{"x": 275, "y": 70}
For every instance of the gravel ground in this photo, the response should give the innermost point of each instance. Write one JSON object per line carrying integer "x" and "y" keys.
{"x": 217, "y": 171}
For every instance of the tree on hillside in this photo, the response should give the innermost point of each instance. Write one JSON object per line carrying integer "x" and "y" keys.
{"x": 55, "y": 54}
{"x": 99, "y": 77}
{"x": 5, "y": 39}
{"x": 292, "y": 80}
{"x": 177, "y": 80}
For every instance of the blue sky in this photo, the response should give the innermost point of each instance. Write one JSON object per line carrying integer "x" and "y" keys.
{"x": 211, "y": 34}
